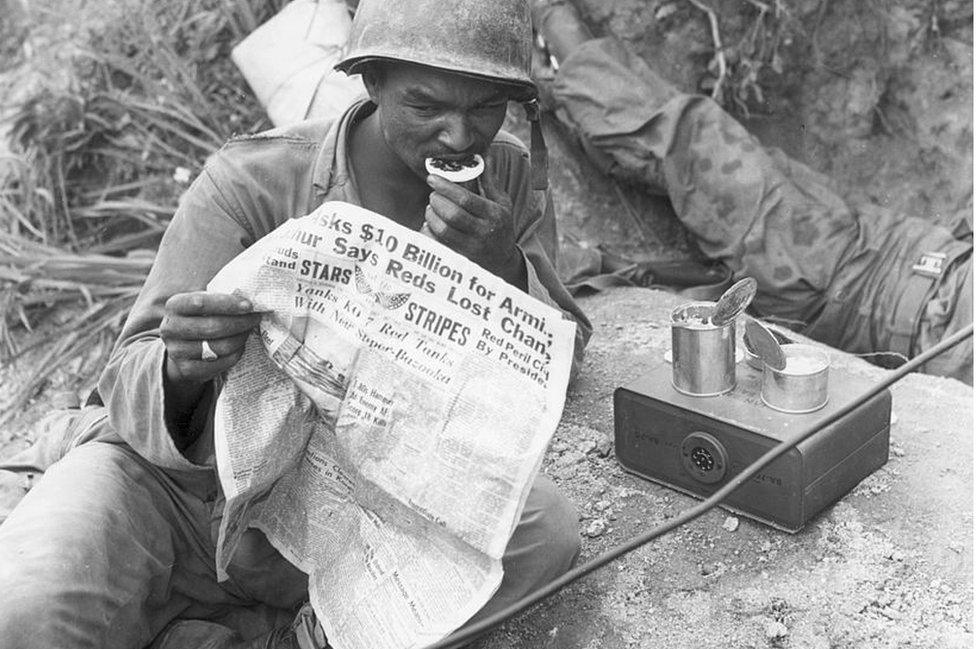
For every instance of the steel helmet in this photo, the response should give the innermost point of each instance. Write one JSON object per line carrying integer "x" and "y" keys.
{"x": 489, "y": 39}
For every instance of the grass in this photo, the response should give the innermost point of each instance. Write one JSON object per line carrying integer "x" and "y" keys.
{"x": 152, "y": 93}
{"x": 40, "y": 283}
{"x": 101, "y": 152}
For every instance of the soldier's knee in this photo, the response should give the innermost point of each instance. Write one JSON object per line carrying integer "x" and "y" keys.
{"x": 564, "y": 531}
{"x": 32, "y": 615}
{"x": 552, "y": 525}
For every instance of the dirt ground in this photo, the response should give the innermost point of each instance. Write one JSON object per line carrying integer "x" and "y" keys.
{"x": 885, "y": 108}
{"x": 889, "y": 565}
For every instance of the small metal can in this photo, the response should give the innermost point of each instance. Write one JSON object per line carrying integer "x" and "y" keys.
{"x": 802, "y": 385}
{"x": 702, "y": 354}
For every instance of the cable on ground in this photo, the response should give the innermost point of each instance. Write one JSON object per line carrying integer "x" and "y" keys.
{"x": 469, "y": 633}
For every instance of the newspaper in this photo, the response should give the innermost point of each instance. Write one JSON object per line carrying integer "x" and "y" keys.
{"x": 385, "y": 427}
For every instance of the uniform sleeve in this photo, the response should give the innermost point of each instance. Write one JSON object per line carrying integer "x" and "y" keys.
{"x": 202, "y": 237}
{"x": 542, "y": 282}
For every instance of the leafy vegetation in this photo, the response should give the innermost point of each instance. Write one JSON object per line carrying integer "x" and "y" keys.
{"x": 99, "y": 161}
{"x": 734, "y": 70}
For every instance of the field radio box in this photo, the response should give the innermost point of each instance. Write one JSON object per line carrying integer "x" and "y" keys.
{"x": 697, "y": 444}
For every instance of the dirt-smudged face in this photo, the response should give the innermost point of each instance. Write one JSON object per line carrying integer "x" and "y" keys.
{"x": 424, "y": 112}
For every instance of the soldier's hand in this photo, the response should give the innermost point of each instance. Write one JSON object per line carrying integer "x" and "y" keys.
{"x": 204, "y": 334}
{"x": 479, "y": 227}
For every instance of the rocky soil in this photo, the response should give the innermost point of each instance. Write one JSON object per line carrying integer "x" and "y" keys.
{"x": 890, "y": 565}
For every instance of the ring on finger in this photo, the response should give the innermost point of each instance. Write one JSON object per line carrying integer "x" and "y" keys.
{"x": 206, "y": 352}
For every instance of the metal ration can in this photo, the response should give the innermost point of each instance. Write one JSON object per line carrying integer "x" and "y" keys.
{"x": 702, "y": 354}
{"x": 802, "y": 385}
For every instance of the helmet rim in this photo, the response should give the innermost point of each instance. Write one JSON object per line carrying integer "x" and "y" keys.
{"x": 522, "y": 88}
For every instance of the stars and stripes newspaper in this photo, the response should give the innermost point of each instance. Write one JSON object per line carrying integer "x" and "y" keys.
{"x": 384, "y": 428}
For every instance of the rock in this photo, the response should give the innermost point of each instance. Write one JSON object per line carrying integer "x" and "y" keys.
{"x": 560, "y": 447}
{"x": 731, "y": 524}
{"x": 603, "y": 446}
{"x": 879, "y": 488}
{"x": 710, "y": 569}
{"x": 564, "y": 473}
{"x": 596, "y": 528}
{"x": 569, "y": 458}
{"x": 775, "y": 631}
{"x": 890, "y": 613}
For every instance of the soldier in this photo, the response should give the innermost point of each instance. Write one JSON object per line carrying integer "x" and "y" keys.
{"x": 114, "y": 547}
{"x": 863, "y": 279}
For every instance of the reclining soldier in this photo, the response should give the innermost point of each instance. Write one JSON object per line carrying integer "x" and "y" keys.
{"x": 114, "y": 547}
{"x": 861, "y": 278}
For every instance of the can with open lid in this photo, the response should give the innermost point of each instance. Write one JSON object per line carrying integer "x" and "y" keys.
{"x": 702, "y": 353}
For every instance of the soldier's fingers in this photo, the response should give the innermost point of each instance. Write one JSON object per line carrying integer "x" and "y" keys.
{"x": 206, "y": 327}
{"x": 443, "y": 231}
{"x": 201, "y": 370}
{"x": 206, "y": 303}
{"x": 455, "y": 192}
{"x": 470, "y": 201}
{"x": 193, "y": 349}
{"x": 454, "y": 215}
